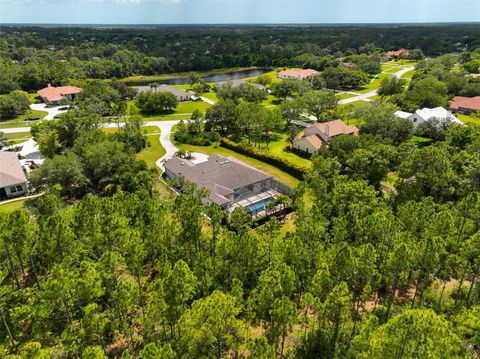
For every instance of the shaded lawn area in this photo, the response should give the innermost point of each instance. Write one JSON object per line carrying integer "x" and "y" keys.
{"x": 278, "y": 144}
{"x": 12, "y": 206}
{"x": 271, "y": 101}
{"x": 262, "y": 166}
{"x": 346, "y": 112}
{"x": 468, "y": 119}
{"x": 155, "y": 150}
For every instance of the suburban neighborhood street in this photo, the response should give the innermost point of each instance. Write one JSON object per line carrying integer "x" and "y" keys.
{"x": 368, "y": 95}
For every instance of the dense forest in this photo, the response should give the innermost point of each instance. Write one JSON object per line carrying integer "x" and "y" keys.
{"x": 57, "y": 54}
{"x": 378, "y": 256}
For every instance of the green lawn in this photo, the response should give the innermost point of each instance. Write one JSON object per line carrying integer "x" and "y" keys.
{"x": 262, "y": 166}
{"x": 419, "y": 141}
{"x": 278, "y": 144}
{"x": 469, "y": 119}
{"x": 12, "y": 206}
{"x": 184, "y": 109}
{"x": 408, "y": 75}
{"x": 343, "y": 96}
{"x": 375, "y": 84}
{"x": 23, "y": 120}
{"x": 155, "y": 150}
{"x": 211, "y": 96}
{"x": 14, "y": 138}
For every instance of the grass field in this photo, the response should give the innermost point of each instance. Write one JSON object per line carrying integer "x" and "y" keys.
{"x": 12, "y": 206}
{"x": 184, "y": 109}
{"x": 469, "y": 119}
{"x": 278, "y": 144}
{"x": 211, "y": 96}
{"x": 262, "y": 166}
{"x": 22, "y": 120}
{"x": 375, "y": 84}
{"x": 155, "y": 150}
{"x": 14, "y": 138}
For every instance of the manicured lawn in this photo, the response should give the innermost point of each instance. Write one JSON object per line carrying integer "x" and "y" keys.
{"x": 14, "y": 138}
{"x": 468, "y": 119}
{"x": 343, "y": 96}
{"x": 375, "y": 84}
{"x": 271, "y": 101}
{"x": 278, "y": 144}
{"x": 152, "y": 153}
{"x": 211, "y": 96}
{"x": 408, "y": 75}
{"x": 272, "y": 74}
{"x": 12, "y": 206}
{"x": 22, "y": 120}
{"x": 262, "y": 166}
{"x": 183, "y": 108}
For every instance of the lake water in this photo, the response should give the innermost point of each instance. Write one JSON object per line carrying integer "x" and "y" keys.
{"x": 230, "y": 75}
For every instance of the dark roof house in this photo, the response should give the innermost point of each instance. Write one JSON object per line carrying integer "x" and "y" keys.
{"x": 230, "y": 182}
{"x": 13, "y": 182}
{"x": 181, "y": 95}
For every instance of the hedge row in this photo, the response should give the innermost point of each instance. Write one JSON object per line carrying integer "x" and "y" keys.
{"x": 291, "y": 168}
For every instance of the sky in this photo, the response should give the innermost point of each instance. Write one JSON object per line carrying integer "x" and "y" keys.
{"x": 236, "y": 11}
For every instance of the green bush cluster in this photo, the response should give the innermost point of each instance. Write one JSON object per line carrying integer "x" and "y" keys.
{"x": 291, "y": 168}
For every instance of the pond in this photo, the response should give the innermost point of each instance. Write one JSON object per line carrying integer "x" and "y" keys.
{"x": 229, "y": 75}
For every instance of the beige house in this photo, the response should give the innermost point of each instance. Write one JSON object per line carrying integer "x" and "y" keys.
{"x": 297, "y": 74}
{"x": 320, "y": 134}
{"x": 13, "y": 182}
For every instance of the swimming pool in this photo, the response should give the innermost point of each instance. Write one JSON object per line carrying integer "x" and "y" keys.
{"x": 258, "y": 206}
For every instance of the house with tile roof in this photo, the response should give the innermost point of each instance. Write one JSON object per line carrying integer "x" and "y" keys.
{"x": 230, "y": 182}
{"x": 181, "y": 95}
{"x": 297, "y": 74}
{"x": 57, "y": 95}
{"x": 465, "y": 105}
{"x": 13, "y": 182}
{"x": 320, "y": 134}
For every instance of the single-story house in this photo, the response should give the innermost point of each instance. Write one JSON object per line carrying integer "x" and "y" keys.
{"x": 13, "y": 182}
{"x": 426, "y": 114}
{"x": 297, "y": 74}
{"x": 320, "y": 134}
{"x": 465, "y": 105}
{"x": 230, "y": 182}
{"x": 400, "y": 52}
{"x": 57, "y": 95}
{"x": 181, "y": 95}
{"x": 239, "y": 82}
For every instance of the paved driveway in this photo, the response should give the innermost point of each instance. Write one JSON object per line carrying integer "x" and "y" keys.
{"x": 52, "y": 111}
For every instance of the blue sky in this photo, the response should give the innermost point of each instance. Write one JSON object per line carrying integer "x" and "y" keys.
{"x": 236, "y": 11}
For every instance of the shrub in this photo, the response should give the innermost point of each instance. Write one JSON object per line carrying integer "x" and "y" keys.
{"x": 291, "y": 168}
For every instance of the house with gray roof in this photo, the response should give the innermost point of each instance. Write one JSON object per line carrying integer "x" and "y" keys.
{"x": 230, "y": 182}
{"x": 181, "y": 95}
{"x": 13, "y": 182}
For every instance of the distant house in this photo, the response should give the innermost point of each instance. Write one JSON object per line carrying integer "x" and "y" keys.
{"x": 320, "y": 134}
{"x": 395, "y": 54}
{"x": 426, "y": 114}
{"x": 465, "y": 105}
{"x": 239, "y": 82}
{"x": 181, "y": 95}
{"x": 56, "y": 95}
{"x": 13, "y": 182}
{"x": 230, "y": 182}
{"x": 297, "y": 74}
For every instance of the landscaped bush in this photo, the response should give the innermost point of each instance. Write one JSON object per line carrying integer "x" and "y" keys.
{"x": 283, "y": 164}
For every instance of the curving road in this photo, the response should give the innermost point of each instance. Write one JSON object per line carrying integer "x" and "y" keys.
{"x": 368, "y": 95}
